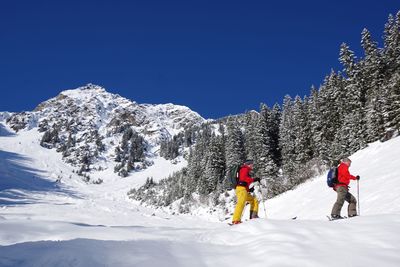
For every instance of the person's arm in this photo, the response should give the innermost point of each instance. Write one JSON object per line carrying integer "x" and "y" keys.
{"x": 348, "y": 175}
{"x": 245, "y": 176}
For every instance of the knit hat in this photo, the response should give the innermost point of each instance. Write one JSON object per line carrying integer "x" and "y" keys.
{"x": 346, "y": 160}
{"x": 248, "y": 162}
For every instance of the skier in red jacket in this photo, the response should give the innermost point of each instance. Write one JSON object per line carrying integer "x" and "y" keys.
{"x": 342, "y": 189}
{"x": 243, "y": 195}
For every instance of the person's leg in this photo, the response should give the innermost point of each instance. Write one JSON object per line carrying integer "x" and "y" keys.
{"x": 253, "y": 206}
{"x": 341, "y": 196}
{"x": 352, "y": 208}
{"x": 241, "y": 195}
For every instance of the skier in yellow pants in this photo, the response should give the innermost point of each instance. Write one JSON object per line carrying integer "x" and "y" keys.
{"x": 243, "y": 195}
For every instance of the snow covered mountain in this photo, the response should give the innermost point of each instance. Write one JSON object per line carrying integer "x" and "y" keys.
{"x": 94, "y": 129}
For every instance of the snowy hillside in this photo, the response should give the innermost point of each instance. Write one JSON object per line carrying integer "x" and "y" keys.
{"x": 379, "y": 187}
{"x": 45, "y": 222}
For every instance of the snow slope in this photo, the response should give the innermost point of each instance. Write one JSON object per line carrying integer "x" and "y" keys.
{"x": 378, "y": 166}
{"x": 48, "y": 222}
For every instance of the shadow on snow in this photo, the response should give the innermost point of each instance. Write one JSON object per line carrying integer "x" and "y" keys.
{"x": 4, "y": 132}
{"x": 19, "y": 183}
{"x": 90, "y": 252}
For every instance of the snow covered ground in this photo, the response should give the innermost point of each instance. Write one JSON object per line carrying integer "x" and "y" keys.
{"x": 47, "y": 223}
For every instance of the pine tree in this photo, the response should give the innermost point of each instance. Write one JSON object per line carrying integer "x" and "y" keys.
{"x": 235, "y": 153}
{"x": 215, "y": 168}
{"x": 348, "y": 60}
{"x": 392, "y": 43}
{"x": 354, "y": 127}
{"x": 287, "y": 141}
{"x": 131, "y": 150}
{"x": 250, "y": 128}
{"x": 169, "y": 149}
{"x": 329, "y": 117}
{"x": 392, "y": 106}
{"x": 391, "y": 55}
{"x": 354, "y": 123}
{"x": 273, "y": 127}
{"x": 265, "y": 166}
{"x": 190, "y": 183}
{"x": 303, "y": 137}
{"x": 315, "y": 118}
{"x": 371, "y": 82}
{"x": 341, "y": 107}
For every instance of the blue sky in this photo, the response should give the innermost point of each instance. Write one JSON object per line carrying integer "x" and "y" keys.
{"x": 216, "y": 57}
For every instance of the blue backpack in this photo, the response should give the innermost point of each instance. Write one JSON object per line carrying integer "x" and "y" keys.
{"x": 332, "y": 177}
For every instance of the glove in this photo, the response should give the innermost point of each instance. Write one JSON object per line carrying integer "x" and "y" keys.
{"x": 358, "y": 177}
{"x": 256, "y": 180}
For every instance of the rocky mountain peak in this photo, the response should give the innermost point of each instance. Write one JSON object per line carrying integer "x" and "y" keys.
{"x": 89, "y": 125}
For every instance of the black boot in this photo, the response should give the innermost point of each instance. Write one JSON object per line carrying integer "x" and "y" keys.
{"x": 336, "y": 217}
{"x": 253, "y": 215}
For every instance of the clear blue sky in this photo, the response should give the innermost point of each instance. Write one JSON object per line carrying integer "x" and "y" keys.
{"x": 216, "y": 57}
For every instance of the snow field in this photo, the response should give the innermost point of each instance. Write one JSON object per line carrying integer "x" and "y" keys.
{"x": 45, "y": 223}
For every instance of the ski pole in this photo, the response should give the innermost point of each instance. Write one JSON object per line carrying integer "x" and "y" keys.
{"x": 262, "y": 199}
{"x": 358, "y": 197}
{"x": 265, "y": 211}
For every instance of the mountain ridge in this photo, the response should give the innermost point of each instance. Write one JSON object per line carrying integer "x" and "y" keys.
{"x": 90, "y": 126}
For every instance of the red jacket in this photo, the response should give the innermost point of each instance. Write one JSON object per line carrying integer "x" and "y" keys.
{"x": 244, "y": 176}
{"x": 344, "y": 175}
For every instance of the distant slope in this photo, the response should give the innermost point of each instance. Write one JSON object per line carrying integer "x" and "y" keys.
{"x": 27, "y": 169}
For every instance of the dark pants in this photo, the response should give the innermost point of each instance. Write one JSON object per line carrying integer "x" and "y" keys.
{"x": 344, "y": 195}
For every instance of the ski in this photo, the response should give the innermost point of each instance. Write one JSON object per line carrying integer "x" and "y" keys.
{"x": 334, "y": 219}
{"x": 231, "y": 224}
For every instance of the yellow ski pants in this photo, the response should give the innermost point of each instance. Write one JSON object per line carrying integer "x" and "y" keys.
{"x": 242, "y": 197}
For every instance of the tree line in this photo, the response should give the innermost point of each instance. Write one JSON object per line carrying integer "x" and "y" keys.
{"x": 293, "y": 142}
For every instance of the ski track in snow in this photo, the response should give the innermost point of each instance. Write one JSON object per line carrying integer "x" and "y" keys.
{"x": 46, "y": 223}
